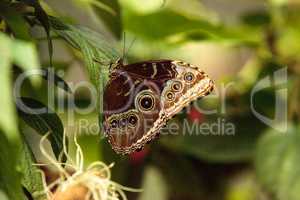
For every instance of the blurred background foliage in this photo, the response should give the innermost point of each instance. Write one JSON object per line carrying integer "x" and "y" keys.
{"x": 237, "y": 43}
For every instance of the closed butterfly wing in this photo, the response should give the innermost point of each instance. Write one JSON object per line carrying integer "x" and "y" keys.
{"x": 139, "y": 99}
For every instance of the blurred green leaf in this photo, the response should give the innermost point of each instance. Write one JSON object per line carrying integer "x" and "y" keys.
{"x": 3, "y": 195}
{"x": 15, "y": 21}
{"x": 197, "y": 35}
{"x": 164, "y": 23}
{"x": 154, "y": 186}
{"x": 278, "y": 2}
{"x": 23, "y": 54}
{"x": 111, "y": 20}
{"x": 257, "y": 18}
{"x": 121, "y": 167}
{"x": 222, "y": 139}
{"x": 288, "y": 43}
{"x": 177, "y": 28}
{"x": 145, "y": 7}
{"x": 42, "y": 16}
{"x": 50, "y": 75}
{"x": 104, "y": 76}
{"x": 248, "y": 75}
{"x": 277, "y": 162}
{"x": 9, "y": 178}
{"x": 90, "y": 147}
{"x": 179, "y": 184}
{"x": 7, "y": 121}
{"x": 100, "y": 4}
{"x": 242, "y": 186}
{"x": 32, "y": 177}
{"x": 43, "y": 120}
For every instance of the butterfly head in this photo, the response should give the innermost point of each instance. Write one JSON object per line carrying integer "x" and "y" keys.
{"x": 116, "y": 65}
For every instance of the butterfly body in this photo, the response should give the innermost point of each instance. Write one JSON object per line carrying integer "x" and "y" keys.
{"x": 139, "y": 98}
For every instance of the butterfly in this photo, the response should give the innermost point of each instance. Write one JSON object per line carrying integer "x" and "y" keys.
{"x": 140, "y": 98}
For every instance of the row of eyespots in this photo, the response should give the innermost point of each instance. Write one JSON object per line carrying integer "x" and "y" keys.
{"x": 130, "y": 120}
{"x": 177, "y": 86}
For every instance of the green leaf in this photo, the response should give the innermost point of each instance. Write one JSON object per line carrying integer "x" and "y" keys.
{"x": 112, "y": 21}
{"x": 288, "y": 44}
{"x": 176, "y": 27}
{"x": 50, "y": 75}
{"x": 180, "y": 184}
{"x": 277, "y": 162}
{"x": 8, "y": 119}
{"x": 163, "y": 23}
{"x": 3, "y": 196}
{"x": 103, "y": 75}
{"x": 278, "y": 2}
{"x": 224, "y": 139}
{"x": 242, "y": 185}
{"x": 42, "y": 16}
{"x": 32, "y": 178}
{"x": 23, "y": 54}
{"x": 27, "y": 194}
{"x": 9, "y": 177}
{"x": 257, "y": 18}
{"x": 15, "y": 21}
{"x": 92, "y": 45}
{"x": 154, "y": 186}
{"x": 43, "y": 120}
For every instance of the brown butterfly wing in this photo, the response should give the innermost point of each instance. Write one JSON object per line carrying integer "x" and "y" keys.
{"x": 137, "y": 103}
{"x": 121, "y": 102}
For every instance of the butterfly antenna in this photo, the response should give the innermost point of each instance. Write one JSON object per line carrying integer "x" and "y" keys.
{"x": 124, "y": 45}
{"x": 131, "y": 44}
